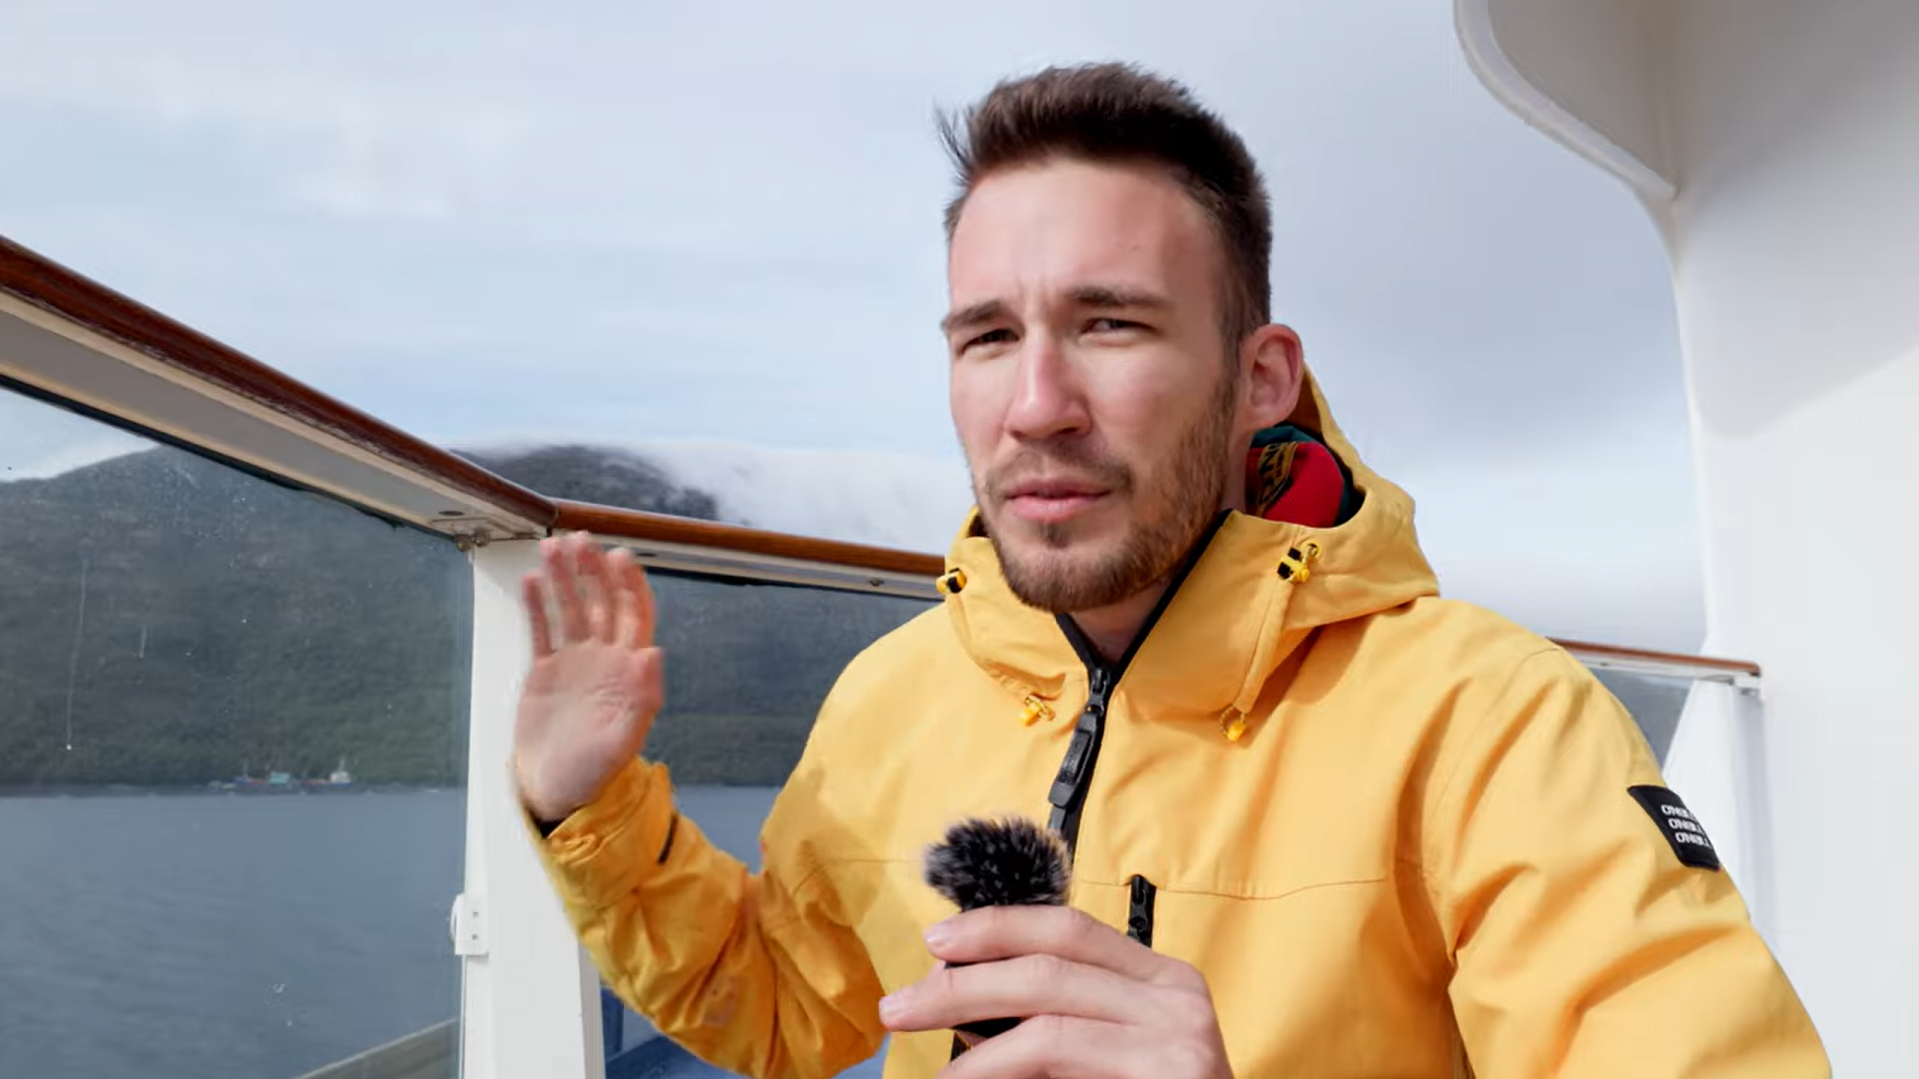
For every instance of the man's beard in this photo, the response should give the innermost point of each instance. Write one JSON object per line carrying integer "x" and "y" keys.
{"x": 1168, "y": 520}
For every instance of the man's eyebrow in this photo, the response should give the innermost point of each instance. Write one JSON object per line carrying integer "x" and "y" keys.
{"x": 1105, "y": 296}
{"x": 972, "y": 315}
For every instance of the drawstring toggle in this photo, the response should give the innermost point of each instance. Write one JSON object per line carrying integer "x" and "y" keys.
{"x": 1035, "y": 711}
{"x": 1296, "y": 566}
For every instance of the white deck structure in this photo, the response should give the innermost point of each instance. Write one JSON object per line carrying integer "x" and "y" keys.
{"x": 1776, "y": 145}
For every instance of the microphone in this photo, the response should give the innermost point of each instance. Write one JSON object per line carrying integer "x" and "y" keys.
{"x": 1004, "y": 863}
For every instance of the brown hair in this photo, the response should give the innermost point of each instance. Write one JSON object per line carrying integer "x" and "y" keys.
{"x": 1119, "y": 114}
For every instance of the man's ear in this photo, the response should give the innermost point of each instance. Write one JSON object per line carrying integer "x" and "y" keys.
{"x": 1272, "y": 362}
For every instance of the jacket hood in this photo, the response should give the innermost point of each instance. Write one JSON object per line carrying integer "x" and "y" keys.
{"x": 1259, "y": 590}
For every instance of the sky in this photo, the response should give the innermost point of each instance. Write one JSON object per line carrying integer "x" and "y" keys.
{"x": 713, "y": 232}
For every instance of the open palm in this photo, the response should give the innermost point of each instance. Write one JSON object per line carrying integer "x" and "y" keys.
{"x": 596, "y": 681}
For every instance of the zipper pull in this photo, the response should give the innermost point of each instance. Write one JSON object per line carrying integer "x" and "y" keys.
{"x": 1079, "y": 757}
{"x": 1139, "y": 914}
{"x": 1076, "y": 770}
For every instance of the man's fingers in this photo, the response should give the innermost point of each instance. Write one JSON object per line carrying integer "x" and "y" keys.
{"x": 1019, "y": 987}
{"x": 599, "y": 596}
{"x": 562, "y": 576}
{"x": 609, "y": 584}
{"x": 626, "y": 604}
{"x": 1059, "y": 1047}
{"x": 646, "y": 610}
{"x": 533, "y": 596}
{"x": 997, "y": 932}
{"x": 589, "y": 569}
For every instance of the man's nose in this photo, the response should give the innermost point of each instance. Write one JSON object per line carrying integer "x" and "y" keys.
{"x": 1049, "y": 400}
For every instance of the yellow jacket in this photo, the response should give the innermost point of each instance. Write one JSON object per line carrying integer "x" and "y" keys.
{"x": 1393, "y": 831}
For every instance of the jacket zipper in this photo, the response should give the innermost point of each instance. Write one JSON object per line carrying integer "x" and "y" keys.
{"x": 1139, "y": 914}
{"x": 1068, "y": 793}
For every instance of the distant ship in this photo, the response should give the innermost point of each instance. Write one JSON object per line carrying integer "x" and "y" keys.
{"x": 338, "y": 781}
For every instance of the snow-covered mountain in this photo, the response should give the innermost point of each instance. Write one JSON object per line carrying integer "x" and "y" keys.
{"x": 890, "y": 499}
{"x": 910, "y": 501}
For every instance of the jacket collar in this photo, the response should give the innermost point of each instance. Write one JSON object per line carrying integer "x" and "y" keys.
{"x": 1258, "y": 591}
{"x": 1218, "y": 639}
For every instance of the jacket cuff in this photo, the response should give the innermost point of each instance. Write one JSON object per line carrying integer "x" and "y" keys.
{"x": 602, "y": 851}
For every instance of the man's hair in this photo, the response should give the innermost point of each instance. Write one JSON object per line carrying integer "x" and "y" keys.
{"x": 1118, "y": 114}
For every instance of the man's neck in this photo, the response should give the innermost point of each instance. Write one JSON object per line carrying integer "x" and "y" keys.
{"x": 1112, "y": 629}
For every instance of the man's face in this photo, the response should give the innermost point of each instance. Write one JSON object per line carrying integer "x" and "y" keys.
{"x": 1093, "y": 391}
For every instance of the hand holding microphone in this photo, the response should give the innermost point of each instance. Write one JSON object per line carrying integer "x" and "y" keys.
{"x": 1012, "y": 863}
{"x": 1052, "y": 990}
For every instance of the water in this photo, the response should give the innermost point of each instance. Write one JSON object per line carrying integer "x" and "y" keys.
{"x": 210, "y": 937}
{"x": 196, "y": 936}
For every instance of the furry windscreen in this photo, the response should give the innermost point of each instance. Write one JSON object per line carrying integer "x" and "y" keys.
{"x": 987, "y": 863}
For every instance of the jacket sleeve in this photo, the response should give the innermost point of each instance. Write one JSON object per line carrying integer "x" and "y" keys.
{"x": 755, "y": 973}
{"x": 1582, "y": 945}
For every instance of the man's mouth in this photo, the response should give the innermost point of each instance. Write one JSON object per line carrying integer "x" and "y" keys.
{"x": 1052, "y": 501}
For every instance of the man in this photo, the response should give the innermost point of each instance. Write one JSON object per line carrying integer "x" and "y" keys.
{"x": 1353, "y": 829}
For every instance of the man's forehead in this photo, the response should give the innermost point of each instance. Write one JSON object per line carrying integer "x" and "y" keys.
{"x": 1066, "y": 229}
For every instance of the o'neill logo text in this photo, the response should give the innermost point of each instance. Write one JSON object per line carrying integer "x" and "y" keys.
{"x": 1685, "y": 828}
{"x": 1681, "y": 829}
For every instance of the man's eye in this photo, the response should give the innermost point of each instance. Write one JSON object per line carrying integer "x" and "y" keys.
{"x": 990, "y": 337}
{"x": 1110, "y": 325}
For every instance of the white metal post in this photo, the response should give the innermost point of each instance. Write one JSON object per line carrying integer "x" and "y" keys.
{"x": 530, "y": 994}
{"x": 1752, "y": 779}
{"x": 1717, "y": 763}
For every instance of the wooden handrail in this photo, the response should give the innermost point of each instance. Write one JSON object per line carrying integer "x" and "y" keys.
{"x": 612, "y": 522}
{"x": 38, "y": 280}
{"x": 1730, "y": 666}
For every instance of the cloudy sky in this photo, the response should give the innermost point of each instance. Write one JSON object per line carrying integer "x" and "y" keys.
{"x": 715, "y": 228}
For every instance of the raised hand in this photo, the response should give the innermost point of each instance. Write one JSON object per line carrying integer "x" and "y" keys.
{"x": 595, "y": 685}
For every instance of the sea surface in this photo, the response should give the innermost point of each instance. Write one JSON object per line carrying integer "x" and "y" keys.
{"x": 205, "y": 936}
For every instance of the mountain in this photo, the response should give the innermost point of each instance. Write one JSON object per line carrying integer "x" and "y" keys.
{"x": 586, "y": 474}
{"x": 165, "y": 619}
{"x": 168, "y": 620}
{"x": 910, "y": 501}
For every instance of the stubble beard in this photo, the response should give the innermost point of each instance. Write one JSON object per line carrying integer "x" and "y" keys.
{"x": 1169, "y": 518}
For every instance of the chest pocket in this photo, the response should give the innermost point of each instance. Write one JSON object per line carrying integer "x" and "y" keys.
{"x": 1328, "y": 980}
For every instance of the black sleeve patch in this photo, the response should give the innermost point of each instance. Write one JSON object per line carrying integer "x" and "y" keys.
{"x": 1678, "y": 825}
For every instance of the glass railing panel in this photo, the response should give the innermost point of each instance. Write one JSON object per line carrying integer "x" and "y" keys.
{"x": 1655, "y": 702}
{"x": 232, "y": 746}
{"x": 748, "y": 665}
